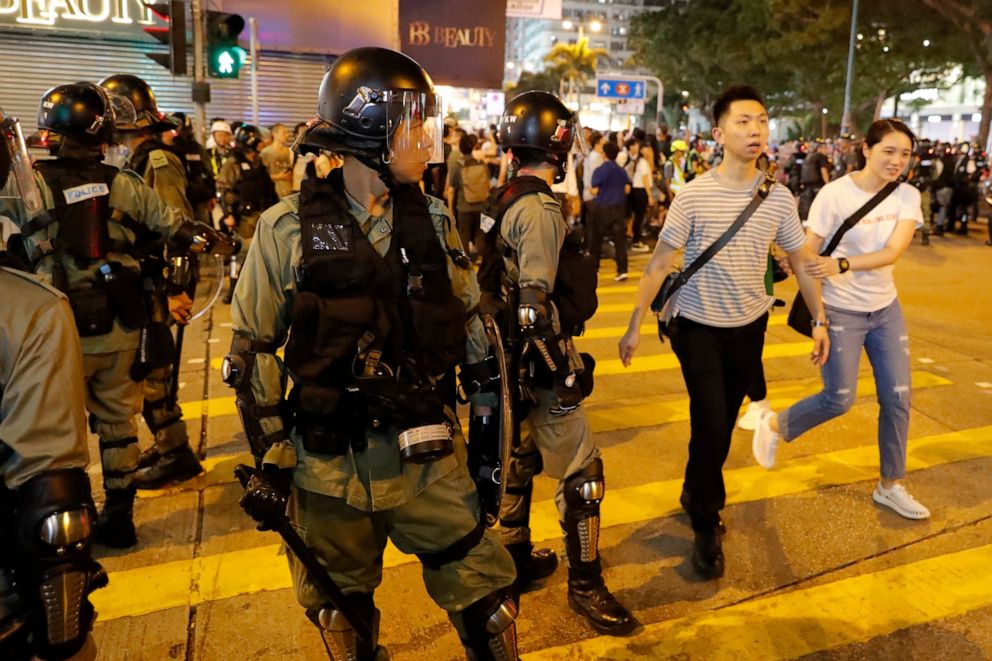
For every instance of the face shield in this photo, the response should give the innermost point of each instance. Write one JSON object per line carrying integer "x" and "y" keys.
{"x": 579, "y": 145}
{"x": 415, "y": 123}
{"x": 20, "y": 163}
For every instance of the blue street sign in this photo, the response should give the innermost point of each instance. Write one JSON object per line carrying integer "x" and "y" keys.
{"x": 628, "y": 88}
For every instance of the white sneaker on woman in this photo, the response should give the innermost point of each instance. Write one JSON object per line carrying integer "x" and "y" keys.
{"x": 899, "y": 501}
{"x": 764, "y": 443}
{"x": 749, "y": 420}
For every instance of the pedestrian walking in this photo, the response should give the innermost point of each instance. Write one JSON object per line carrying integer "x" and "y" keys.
{"x": 863, "y": 309}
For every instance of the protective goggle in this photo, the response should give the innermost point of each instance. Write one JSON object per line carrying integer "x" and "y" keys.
{"x": 20, "y": 163}
{"x": 579, "y": 143}
{"x": 415, "y": 126}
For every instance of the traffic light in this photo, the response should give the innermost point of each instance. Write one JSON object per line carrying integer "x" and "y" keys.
{"x": 224, "y": 55}
{"x": 173, "y": 35}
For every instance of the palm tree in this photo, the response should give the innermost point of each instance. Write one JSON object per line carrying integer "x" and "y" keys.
{"x": 576, "y": 62}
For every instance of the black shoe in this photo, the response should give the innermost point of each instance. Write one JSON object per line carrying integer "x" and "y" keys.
{"x": 962, "y": 231}
{"x": 115, "y": 524}
{"x": 590, "y": 598}
{"x": 684, "y": 500}
{"x": 707, "y": 554}
{"x": 148, "y": 457}
{"x": 176, "y": 465}
{"x": 938, "y": 231}
{"x": 531, "y": 565}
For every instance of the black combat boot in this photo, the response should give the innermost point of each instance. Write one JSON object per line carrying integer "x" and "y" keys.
{"x": 532, "y": 565}
{"x": 115, "y": 524}
{"x": 587, "y": 592}
{"x": 707, "y": 554}
{"x": 176, "y": 465}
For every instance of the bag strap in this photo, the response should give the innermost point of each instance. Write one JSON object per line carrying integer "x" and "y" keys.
{"x": 759, "y": 196}
{"x": 858, "y": 215}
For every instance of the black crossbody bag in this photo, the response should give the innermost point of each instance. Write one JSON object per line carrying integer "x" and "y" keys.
{"x": 662, "y": 303}
{"x": 800, "y": 319}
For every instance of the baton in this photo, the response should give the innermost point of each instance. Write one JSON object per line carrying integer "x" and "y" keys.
{"x": 280, "y": 523}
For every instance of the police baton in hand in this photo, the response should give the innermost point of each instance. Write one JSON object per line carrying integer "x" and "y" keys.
{"x": 271, "y": 514}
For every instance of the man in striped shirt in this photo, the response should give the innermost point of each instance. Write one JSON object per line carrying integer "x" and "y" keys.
{"x": 721, "y": 313}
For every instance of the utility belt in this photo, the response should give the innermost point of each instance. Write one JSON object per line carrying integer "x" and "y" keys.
{"x": 330, "y": 420}
{"x": 117, "y": 293}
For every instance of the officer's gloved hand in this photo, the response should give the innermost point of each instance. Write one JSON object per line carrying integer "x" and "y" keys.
{"x": 266, "y": 494}
{"x": 201, "y": 238}
{"x": 568, "y": 392}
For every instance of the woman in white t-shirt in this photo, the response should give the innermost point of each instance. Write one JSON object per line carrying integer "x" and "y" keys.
{"x": 863, "y": 310}
{"x": 641, "y": 195}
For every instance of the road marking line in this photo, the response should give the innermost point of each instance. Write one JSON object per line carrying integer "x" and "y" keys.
{"x": 668, "y": 361}
{"x": 926, "y": 361}
{"x": 152, "y": 588}
{"x": 648, "y": 327}
{"x": 787, "y": 626}
{"x": 983, "y": 384}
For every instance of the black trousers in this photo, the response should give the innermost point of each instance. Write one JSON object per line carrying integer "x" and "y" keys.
{"x": 639, "y": 206}
{"x": 610, "y": 220}
{"x": 718, "y": 365}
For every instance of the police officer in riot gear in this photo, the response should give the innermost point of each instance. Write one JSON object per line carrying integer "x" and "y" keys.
{"x": 245, "y": 190}
{"x": 364, "y": 275}
{"x": 202, "y": 186}
{"x": 163, "y": 169}
{"x": 46, "y": 510}
{"x": 84, "y": 243}
{"x": 547, "y": 291}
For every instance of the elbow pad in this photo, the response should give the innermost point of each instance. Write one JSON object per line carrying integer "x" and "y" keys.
{"x": 534, "y": 312}
{"x": 236, "y": 371}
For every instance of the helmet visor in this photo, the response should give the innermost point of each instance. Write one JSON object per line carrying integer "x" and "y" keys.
{"x": 20, "y": 163}
{"x": 580, "y": 145}
{"x": 415, "y": 124}
{"x": 125, "y": 117}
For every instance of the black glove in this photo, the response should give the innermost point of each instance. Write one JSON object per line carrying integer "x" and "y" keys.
{"x": 569, "y": 393}
{"x": 266, "y": 494}
{"x": 201, "y": 238}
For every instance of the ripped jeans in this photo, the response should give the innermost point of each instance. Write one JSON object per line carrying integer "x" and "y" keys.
{"x": 883, "y": 335}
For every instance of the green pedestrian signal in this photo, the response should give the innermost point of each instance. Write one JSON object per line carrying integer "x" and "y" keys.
{"x": 224, "y": 55}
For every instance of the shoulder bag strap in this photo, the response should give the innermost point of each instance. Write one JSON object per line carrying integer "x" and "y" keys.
{"x": 759, "y": 196}
{"x": 857, "y": 216}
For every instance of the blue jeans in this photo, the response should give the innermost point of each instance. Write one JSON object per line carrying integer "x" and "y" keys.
{"x": 883, "y": 335}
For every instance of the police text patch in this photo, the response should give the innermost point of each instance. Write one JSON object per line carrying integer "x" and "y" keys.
{"x": 85, "y": 192}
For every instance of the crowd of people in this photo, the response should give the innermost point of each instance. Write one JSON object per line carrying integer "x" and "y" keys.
{"x": 406, "y": 264}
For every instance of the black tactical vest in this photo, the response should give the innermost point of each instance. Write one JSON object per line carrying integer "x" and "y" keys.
{"x": 254, "y": 188}
{"x": 371, "y": 337}
{"x": 574, "y": 292}
{"x": 81, "y": 192}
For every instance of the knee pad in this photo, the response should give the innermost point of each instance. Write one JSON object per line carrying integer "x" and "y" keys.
{"x": 584, "y": 490}
{"x": 340, "y": 637}
{"x": 487, "y": 627}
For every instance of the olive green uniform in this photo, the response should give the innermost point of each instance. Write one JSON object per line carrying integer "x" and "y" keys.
{"x": 112, "y": 398}
{"x": 42, "y": 421}
{"x": 535, "y": 230}
{"x": 347, "y": 507}
{"x": 165, "y": 174}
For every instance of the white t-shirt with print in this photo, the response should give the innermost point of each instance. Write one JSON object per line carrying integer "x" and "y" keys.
{"x": 861, "y": 291}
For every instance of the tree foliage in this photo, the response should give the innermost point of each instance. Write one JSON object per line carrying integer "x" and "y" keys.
{"x": 972, "y": 19}
{"x": 575, "y": 62}
{"x": 795, "y": 51}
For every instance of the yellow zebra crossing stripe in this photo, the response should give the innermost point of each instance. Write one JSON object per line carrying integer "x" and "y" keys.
{"x": 668, "y": 361}
{"x": 150, "y": 589}
{"x": 645, "y": 411}
{"x": 787, "y": 626}
{"x": 648, "y": 327}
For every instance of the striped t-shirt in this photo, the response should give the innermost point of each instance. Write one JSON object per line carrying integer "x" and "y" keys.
{"x": 729, "y": 290}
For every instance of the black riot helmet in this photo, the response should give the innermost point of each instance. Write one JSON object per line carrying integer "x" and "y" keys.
{"x": 538, "y": 122}
{"x": 247, "y": 137}
{"x": 373, "y": 101}
{"x": 148, "y": 118}
{"x": 82, "y": 111}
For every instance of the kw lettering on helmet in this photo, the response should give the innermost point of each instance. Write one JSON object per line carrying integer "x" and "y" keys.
{"x": 85, "y": 192}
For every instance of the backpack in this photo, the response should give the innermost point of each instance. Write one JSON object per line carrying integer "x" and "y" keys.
{"x": 475, "y": 181}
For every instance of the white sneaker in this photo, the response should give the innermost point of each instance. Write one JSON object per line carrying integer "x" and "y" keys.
{"x": 639, "y": 247}
{"x": 764, "y": 443}
{"x": 899, "y": 501}
{"x": 620, "y": 277}
{"x": 754, "y": 410}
